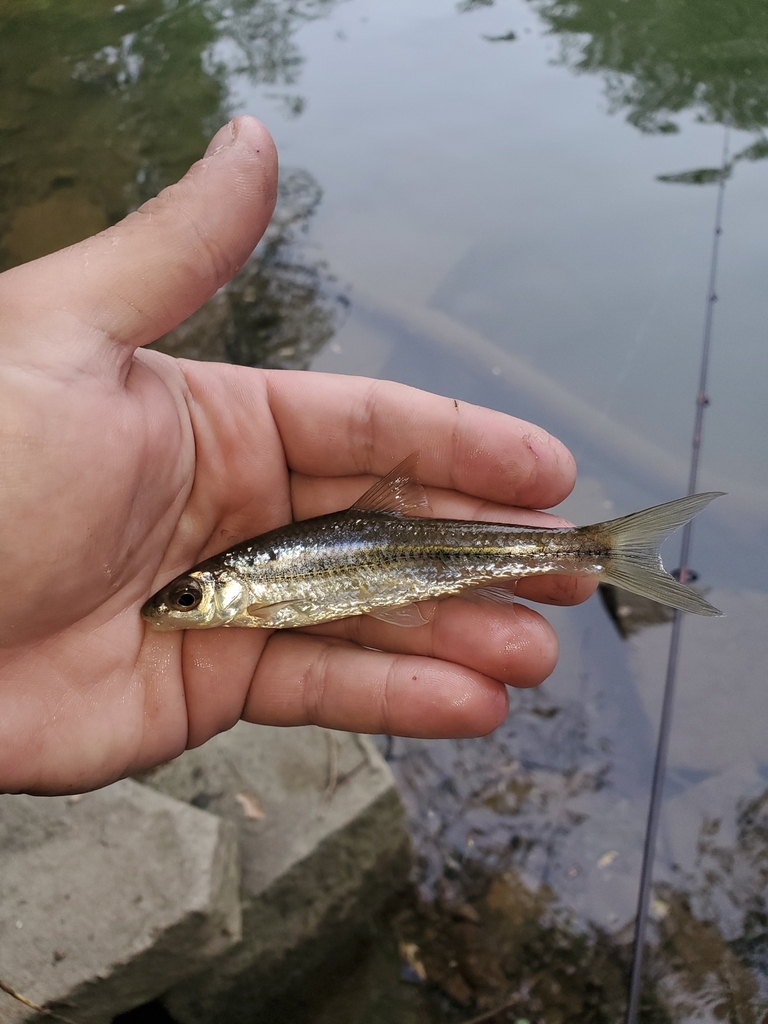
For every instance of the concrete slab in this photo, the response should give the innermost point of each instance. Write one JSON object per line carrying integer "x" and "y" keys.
{"x": 322, "y": 843}
{"x": 109, "y": 898}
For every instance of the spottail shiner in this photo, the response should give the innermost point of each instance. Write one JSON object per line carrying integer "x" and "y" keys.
{"x": 378, "y": 558}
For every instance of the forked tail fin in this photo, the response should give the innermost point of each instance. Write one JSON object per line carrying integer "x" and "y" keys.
{"x": 635, "y": 562}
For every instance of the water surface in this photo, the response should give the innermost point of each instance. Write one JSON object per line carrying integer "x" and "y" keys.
{"x": 511, "y": 203}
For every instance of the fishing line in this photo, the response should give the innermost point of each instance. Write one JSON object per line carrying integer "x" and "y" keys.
{"x": 660, "y": 764}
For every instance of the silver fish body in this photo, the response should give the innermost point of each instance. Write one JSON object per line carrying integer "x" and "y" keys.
{"x": 375, "y": 559}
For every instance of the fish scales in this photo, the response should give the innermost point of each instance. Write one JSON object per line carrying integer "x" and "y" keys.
{"x": 339, "y": 565}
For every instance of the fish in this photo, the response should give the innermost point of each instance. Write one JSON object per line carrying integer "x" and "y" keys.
{"x": 382, "y": 557}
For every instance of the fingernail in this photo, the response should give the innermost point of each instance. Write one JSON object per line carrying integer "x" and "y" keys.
{"x": 224, "y": 137}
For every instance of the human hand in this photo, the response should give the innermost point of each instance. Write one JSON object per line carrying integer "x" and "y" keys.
{"x": 121, "y": 467}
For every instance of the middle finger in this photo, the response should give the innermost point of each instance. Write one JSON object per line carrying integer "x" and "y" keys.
{"x": 511, "y": 643}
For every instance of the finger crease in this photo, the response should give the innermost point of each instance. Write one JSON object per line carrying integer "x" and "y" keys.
{"x": 387, "y": 717}
{"x": 313, "y": 684}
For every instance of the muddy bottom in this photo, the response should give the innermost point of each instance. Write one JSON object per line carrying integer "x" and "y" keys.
{"x": 502, "y": 955}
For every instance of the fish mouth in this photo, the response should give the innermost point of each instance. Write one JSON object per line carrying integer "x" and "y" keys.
{"x": 159, "y": 616}
{"x": 154, "y": 610}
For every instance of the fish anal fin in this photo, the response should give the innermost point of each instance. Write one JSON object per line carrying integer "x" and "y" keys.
{"x": 409, "y": 615}
{"x": 398, "y": 493}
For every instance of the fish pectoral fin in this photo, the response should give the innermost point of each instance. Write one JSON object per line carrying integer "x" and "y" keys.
{"x": 266, "y": 611}
{"x": 402, "y": 615}
{"x": 499, "y": 595}
{"x": 398, "y": 493}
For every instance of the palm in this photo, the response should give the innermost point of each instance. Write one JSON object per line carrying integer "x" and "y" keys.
{"x": 125, "y": 467}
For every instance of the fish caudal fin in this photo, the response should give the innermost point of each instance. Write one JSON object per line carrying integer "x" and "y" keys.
{"x": 635, "y": 563}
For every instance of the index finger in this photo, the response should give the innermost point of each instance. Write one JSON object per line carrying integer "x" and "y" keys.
{"x": 333, "y": 425}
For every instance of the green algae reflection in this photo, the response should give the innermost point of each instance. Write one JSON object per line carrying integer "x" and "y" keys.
{"x": 661, "y": 58}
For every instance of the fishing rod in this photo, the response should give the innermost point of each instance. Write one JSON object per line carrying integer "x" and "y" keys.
{"x": 662, "y": 747}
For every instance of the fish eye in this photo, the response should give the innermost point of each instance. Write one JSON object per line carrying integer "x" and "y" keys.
{"x": 184, "y": 595}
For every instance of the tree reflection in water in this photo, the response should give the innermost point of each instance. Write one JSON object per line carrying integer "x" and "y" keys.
{"x": 102, "y": 105}
{"x": 280, "y": 309}
{"x": 659, "y": 58}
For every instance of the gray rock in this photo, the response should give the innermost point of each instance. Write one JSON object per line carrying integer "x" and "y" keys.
{"x": 323, "y": 845}
{"x": 109, "y": 898}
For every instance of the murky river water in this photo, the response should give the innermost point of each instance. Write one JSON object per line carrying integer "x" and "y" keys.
{"x": 510, "y": 203}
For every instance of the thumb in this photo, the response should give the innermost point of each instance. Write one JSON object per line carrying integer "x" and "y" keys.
{"x": 142, "y": 277}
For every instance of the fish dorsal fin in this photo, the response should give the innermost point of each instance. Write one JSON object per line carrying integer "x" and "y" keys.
{"x": 398, "y": 493}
